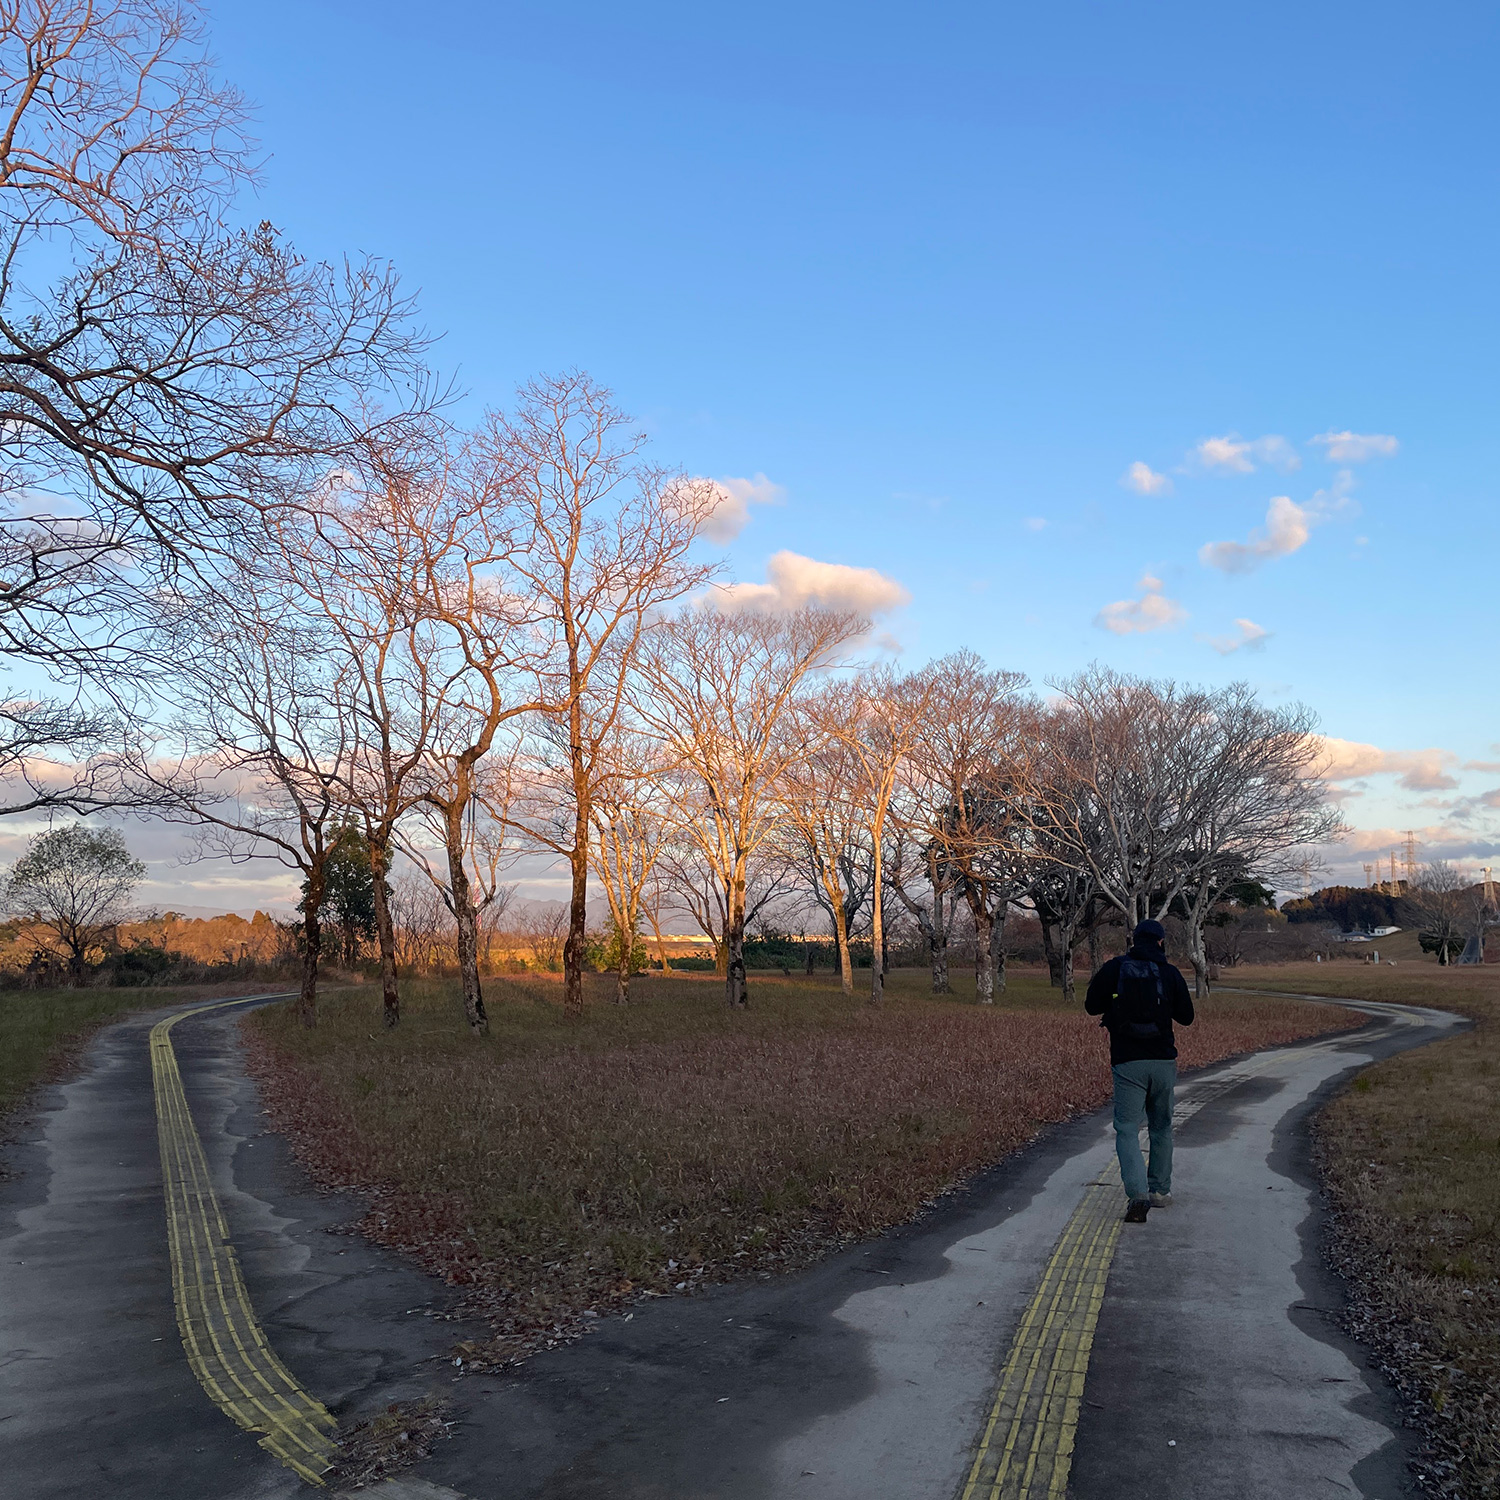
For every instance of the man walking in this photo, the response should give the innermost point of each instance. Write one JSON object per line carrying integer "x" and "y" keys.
{"x": 1139, "y": 996}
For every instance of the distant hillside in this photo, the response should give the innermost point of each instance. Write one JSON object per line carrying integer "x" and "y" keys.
{"x": 1353, "y": 908}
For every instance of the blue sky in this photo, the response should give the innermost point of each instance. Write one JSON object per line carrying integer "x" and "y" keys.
{"x": 944, "y": 273}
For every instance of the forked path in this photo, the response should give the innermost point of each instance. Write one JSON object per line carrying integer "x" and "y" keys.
{"x": 175, "y": 1319}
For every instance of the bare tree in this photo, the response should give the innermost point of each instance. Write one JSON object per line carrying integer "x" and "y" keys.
{"x": 544, "y": 925}
{"x": 633, "y": 819}
{"x": 483, "y": 855}
{"x": 362, "y": 554}
{"x": 165, "y": 375}
{"x": 262, "y": 747}
{"x": 1256, "y": 800}
{"x": 913, "y": 858}
{"x": 687, "y": 879}
{"x": 1441, "y": 893}
{"x": 606, "y": 541}
{"x": 880, "y": 718}
{"x": 1122, "y": 802}
{"x": 481, "y": 648}
{"x": 819, "y": 792}
{"x": 420, "y": 923}
{"x": 961, "y": 773}
{"x": 717, "y": 688}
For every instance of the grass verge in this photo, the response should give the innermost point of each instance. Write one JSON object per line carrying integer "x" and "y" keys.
{"x": 42, "y": 1030}
{"x": 1410, "y": 1157}
{"x": 565, "y": 1165}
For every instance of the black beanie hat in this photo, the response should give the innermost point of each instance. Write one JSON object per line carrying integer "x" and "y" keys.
{"x": 1150, "y": 932}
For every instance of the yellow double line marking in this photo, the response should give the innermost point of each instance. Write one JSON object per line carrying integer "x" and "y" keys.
{"x": 1026, "y": 1447}
{"x": 221, "y": 1335}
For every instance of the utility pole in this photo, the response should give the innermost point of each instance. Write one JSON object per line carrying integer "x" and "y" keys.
{"x": 1411, "y": 858}
{"x": 1369, "y": 875}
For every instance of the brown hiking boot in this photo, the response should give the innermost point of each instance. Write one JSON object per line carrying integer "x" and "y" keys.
{"x": 1137, "y": 1211}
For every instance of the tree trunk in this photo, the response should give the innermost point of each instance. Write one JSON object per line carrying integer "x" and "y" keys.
{"x": 622, "y": 974}
{"x": 984, "y": 969}
{"x": 661, "y": 947}
{"x": 1051, "y": 951}
{"x": 997, "y": 949}
{"x": 841, "y": 937}
{"x": 1093, "y": 951}
{"x": 573, "y": 949}
{"x": 385, "y": 935}
{"x": 877, "y": 929}
{"x": 939, "y": 940}
{"x": 465, "y": 920}
{"x": 1200, "y": 960}
{"x": 1065, "y": 959}
{"x": 807, "y": 952}
{"x": 736, "y": 990}
{"x": 312, "y": 947}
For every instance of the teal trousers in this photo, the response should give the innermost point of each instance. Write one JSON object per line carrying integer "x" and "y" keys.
{"x": 1143, "y": 1091}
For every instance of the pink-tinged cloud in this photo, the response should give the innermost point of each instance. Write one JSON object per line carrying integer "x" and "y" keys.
{"x": 1152, "y": 611}
{"x": 793, "y": 581}
{"x": 1232, "y": 454}
{"x": 1415, "y": 770}
{"x": 1286, "y": 530}
{"x": 1355, "y": 447}
{"x": 1248, "y": 636}
{"x": 736, "y": 496}
{"x": 1144, "y": 480}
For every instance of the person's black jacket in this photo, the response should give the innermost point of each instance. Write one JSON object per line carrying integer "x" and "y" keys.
{"x": 1102, "y": 989}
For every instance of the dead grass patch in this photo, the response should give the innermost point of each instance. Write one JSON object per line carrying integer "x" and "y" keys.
{"x": 564, "y": 1165}
{"x": 403, "y": 1434}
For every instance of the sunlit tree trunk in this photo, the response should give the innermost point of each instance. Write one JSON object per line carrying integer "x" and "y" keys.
{"x": 385, "y": 934}
{"x": 736, "y": 988}
{"x": 464, "y": 917}
{"x": 312, "y": 946}
{"x": 841, "y": 938}
{"x": 984, "y": 968}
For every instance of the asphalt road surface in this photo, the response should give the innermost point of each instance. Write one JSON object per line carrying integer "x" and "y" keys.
{"x": 177, "y": 1319}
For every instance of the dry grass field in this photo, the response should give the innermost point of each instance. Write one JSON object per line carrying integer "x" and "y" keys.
{"x": 1411, "y": 1159}
{"x": 563, "y": 1164}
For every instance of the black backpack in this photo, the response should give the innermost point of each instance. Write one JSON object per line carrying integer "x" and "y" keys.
{"x": 1139, "y": 1009}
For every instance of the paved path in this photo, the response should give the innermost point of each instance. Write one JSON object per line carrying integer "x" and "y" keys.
{"x": 1017, "y": 1343}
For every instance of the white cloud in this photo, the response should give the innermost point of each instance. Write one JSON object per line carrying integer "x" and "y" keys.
{"x": 1144, "y": 480}
{"x": 729, "y": 516}
{"x": 1356, "y": 447}
{"x": 793, "y": 581}
{"x": 1415, "y": 770}
{"x": 1236, "y": 455}
{"x": 1035, "y": 523}
{"x": 1248, "y": 635}
{"x": 1152, "y": 611}
{"x": 1287, "y": 528}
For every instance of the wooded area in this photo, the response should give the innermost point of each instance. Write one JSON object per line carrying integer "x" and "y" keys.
{"x": 287, "y": 600}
